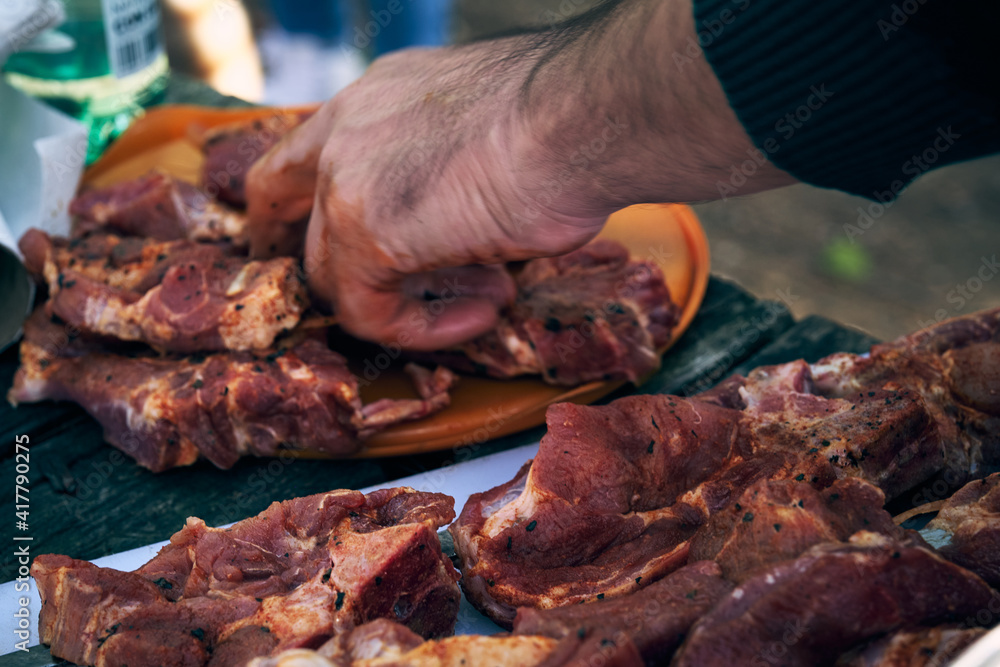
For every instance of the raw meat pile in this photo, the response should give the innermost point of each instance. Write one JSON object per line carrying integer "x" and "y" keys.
{"x": 779, "y": 479}
{"x": 183, "y": 347}
{"x": 744, "y": 526}
{"x": 296, "y": 575}
{"x": 626, "y": 491}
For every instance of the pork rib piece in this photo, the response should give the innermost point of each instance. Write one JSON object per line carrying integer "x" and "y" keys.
{"x": 914, "y": 647}
{"x": 291, "y": 577}
{"x": 616, "y": 492}
{"x": 177, "y": 296}
{"x": 592, "y": 314}
{"x": 971, "y": 521}
{"x": 166, "y": 412}
{"x": 805, "y": 612}
{"x": 157, "y": 206}
{"x": 230, "y": 150}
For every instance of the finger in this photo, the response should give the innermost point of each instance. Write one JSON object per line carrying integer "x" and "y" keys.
{"x": 491, "y": 283}
{"x": 279, "y": 240}
{"x": 458, "y": 322}
{"x": 416, "y": 324}
{"x": 282, "y": 184}
{"x": 426, "y": 312}
{"x": 446, "y": 314}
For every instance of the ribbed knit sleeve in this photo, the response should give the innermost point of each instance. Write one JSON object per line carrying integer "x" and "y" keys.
{"x": 858, "y": 95}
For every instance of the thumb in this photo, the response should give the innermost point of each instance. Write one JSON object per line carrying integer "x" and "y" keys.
{"x": 281, "y": 187}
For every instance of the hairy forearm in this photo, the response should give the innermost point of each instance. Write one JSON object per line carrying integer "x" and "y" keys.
{"x": 622, "y": 104}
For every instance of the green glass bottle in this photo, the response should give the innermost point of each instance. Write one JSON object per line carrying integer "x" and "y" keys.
{"x": 108, "y": 64}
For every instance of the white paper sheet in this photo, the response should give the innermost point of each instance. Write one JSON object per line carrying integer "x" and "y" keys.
{"x": 42, "y": 153}
{"x": 458, "y": 481}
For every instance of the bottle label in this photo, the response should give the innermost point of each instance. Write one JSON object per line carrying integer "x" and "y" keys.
{"x": 132, "y": 30}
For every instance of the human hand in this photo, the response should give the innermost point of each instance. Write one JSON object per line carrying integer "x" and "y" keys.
{"x": 439, "y": 165}
{"x": 410, "y": 173}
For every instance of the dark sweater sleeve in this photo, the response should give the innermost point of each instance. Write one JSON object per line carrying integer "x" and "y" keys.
{"x": 859, "y": 95}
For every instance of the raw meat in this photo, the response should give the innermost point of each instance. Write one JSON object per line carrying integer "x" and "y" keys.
{"x": 294, "y": 576}
{"x": 592, "y": 314}
{"x": 970, "y": 523}
{"x": 808, "y": 611}
{"x": 616, "y": 492}
{"x": 157, "y": 206}
{"x": 178, "y": 296}
{"x": 230, "y": 150}
{"x": 166, "y": 412}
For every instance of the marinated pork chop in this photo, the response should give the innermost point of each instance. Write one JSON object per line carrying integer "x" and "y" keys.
{"x": 655, "y": 619}
{"x": 166, "y": 412}
{"x": 775, "y": 521}
{"x": 178, "y": 296}
{"x": 386, "y": 644}
{"x": 230, "y": 150}
{"x": 806, "y": 612}
{"x": 294, "y": 576}
{"x": 157, "y": 206}
{"x": 971, "y": 521}
{"x": 644, "y": 628}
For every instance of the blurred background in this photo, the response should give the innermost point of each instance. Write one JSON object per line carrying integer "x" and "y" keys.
{"x": 887, "y": 271}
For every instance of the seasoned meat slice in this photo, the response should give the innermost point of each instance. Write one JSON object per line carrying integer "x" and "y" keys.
{"x": 168, "y": 411}
{"x": 655, "y": 619}
{"x": 461, "y": 651}
{"x": 775, "y": 521}
{"x": 157, "y": 206}
{"x": 178, "y": 296}
{"x": 955, "y": 367}
{"x": 230, "y": 150}
{"x": 617, "y": 492}
{"x": 602, "y": 505}
{"x": 592, "y": 314}
{"x": 386, "y": 644}
{"x": 810, "y": 610}
{"x": 293, "y": 576}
